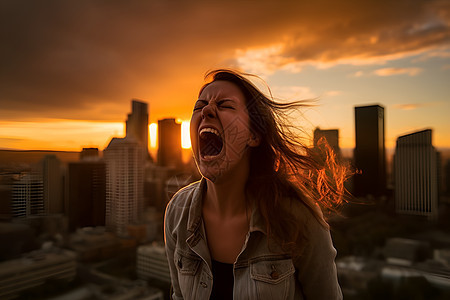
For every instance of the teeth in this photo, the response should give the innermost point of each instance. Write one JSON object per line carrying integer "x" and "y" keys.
{"x": 209, "y": 156}
{"x": 211, "y": 130}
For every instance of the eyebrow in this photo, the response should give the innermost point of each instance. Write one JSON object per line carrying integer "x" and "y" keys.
{"x": 218, "y": 102}
{"x": 201, "y": 101}
{"x": 225, "y": 100}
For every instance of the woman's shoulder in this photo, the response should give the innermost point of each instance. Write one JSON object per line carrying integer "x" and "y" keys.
{"x": 183, "y": 197}
{"x": 181, "y": 202}
{"x": 305, "y": 212}
{"x": 298, "y": 207}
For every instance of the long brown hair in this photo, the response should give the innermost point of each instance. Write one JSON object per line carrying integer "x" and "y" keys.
{"x": 282, "y": 168}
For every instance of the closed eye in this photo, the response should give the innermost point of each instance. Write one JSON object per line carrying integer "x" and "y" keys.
{"x": 226, "y": 103}
{"x": 200, "y": 104}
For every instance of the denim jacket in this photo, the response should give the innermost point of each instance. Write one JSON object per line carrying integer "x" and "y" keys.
{"x": 259, "y": 273}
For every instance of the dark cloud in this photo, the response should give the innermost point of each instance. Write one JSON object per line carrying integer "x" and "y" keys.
{"x": 359, "y": 30}
{"x": 87, "y": 59}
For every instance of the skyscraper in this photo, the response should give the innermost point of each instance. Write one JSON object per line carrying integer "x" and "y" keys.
{"x": 28, "y": 196}
{"x": 137, "y": 123}
{"x": 370, "y": 152}
{"x": 52, "y": 180}
{"x": 416, "y": 175}
{"x": 330, "y": 135}
{"x": 86, "y": 193}
{"x": 124, "y": 159}
{"x": 89, "y": 154}
{"x": 169, "y": 139}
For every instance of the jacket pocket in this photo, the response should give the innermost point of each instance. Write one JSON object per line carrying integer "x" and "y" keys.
{"x": 187, "y": 264}
{"x": 187, "y": 267}
{"x": 273, "y": 278}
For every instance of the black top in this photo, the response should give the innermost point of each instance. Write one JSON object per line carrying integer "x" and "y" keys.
{"x": 223, "y": 281}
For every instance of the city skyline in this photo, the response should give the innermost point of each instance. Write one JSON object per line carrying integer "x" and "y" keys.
{"x": 69, "y": 70}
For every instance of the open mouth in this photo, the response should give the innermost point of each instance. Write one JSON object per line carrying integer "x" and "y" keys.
{"x": 210, "y": 143}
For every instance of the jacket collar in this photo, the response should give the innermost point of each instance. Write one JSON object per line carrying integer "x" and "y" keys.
{"x": 195, "y": 210}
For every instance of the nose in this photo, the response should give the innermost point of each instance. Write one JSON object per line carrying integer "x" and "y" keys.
{"x": 208, "y": 111}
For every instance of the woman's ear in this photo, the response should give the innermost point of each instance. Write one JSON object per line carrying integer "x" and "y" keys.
{"x": 254, "y": 141}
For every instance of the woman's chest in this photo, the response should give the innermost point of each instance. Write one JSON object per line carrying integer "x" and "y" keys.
{"x": 258, "y": 274}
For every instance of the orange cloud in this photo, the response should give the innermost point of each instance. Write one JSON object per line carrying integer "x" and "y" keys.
{"x": 333, "y": 93}
{"x": 87, "y": 59}
{"x": 412, "y": 106}
{"x": 398, "y": 71}
{"x": 409, "y": 106}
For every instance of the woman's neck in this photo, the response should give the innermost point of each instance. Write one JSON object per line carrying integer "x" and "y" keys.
{"x": 226, "y": 199}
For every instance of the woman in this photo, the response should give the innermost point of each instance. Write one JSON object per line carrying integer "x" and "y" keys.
{"x": 251, "y": 227}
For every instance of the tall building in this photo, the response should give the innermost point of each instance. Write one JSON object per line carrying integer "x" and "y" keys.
{"x": 137, "y": 123}
{"x": 124, "y": 159}
{"x": 86, "y": 194}
{"x": 151, "y": 263}
{"x": 89, "y": 154}
{"x": 52, "y": 180}
{"x": 370, "y": 152}
{"x": 416, "y": 175}
{"x": 35, "y": 269}
{"x": 446, "y": 184}
{"x": 330, "y": 135}
{"x": 28, "y": 196}
{"x": 169, "y": 139}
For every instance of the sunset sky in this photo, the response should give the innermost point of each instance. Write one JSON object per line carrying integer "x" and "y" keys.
{"x": 69, "y": 69}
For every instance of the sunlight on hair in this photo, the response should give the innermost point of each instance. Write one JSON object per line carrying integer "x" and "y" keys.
{"x": 330, "y": 177}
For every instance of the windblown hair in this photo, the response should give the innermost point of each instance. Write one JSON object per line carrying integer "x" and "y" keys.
{"x": 282, "y": 168}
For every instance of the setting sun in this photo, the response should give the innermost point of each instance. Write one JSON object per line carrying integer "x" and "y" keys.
{"x": 153, "y": 131}
{"x": 185, "y": 135}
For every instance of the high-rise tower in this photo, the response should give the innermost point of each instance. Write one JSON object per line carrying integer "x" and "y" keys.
{"x": 86, "y": 193}
{"x": 137, "y": 123}
{"x": 52, "y": 180}
{"x": 331, "y": 136}
{"x": 169, "y": 139}
{"x": 416, "y": 175}
{"x": 28, "y": 196}
{"x": 370, "y": 152}
{"x": 124, "y": 158}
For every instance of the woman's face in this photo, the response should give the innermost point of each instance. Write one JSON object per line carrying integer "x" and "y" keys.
{"x": 220, "y": 131}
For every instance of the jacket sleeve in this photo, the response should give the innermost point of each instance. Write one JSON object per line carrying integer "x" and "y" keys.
{"x": 170, "y": 244}
{"x": 316, "y": 267}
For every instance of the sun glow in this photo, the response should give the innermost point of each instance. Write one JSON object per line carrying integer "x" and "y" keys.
{"x": 153, "y": 131}
{"x": 185, "y": 135}
{"x": 58, "y": 134}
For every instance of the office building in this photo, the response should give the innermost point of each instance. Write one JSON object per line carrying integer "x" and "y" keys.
{"x": 34, "y": 269}
{"x": 331, "y": 136}
{"x": 152, "y": 263}
{"x": 370, "y": 152}
{"x": 416, "y": 175}
{"x": 169, "y": 139}
{"x": 137, "y": 123}
{"x": 89, "y": 154}
{"x": 86, "y": 194}
{"x": 94, "y": 244}
{"x": 124, "y": 158}
{"x": 16, "y": 238}
{"x": 28, "y": 196}
{"x": 52, "y": 180}
{"x": 7, "y": 180}
{"x": 446, "y": 184}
